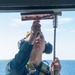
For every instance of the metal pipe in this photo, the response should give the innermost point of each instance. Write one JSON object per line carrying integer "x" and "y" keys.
{"x": 54, "y": 26}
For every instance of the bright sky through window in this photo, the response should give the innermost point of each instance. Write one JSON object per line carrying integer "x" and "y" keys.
{"x": 12, "y": 29}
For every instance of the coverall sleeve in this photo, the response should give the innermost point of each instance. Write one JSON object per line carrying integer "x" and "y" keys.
{"x": 22, "y": 57}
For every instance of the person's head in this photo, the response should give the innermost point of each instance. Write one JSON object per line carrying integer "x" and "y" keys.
{"x": 48, "y": 46}
{"x": 39, "y": 43}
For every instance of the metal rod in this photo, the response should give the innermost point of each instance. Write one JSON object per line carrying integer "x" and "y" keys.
{"x": 55, "y": 26}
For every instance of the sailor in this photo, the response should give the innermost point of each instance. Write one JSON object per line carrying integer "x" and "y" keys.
{"x": 28, "y": 61}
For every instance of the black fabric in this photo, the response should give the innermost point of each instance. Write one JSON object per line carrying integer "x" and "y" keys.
{"x": 48, "y": 48}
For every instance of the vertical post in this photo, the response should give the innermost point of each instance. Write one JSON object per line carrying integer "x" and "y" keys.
{"x": 54, "y": 26}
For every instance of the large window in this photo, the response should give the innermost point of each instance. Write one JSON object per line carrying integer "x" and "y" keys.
{"x": 12, "y": 29}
